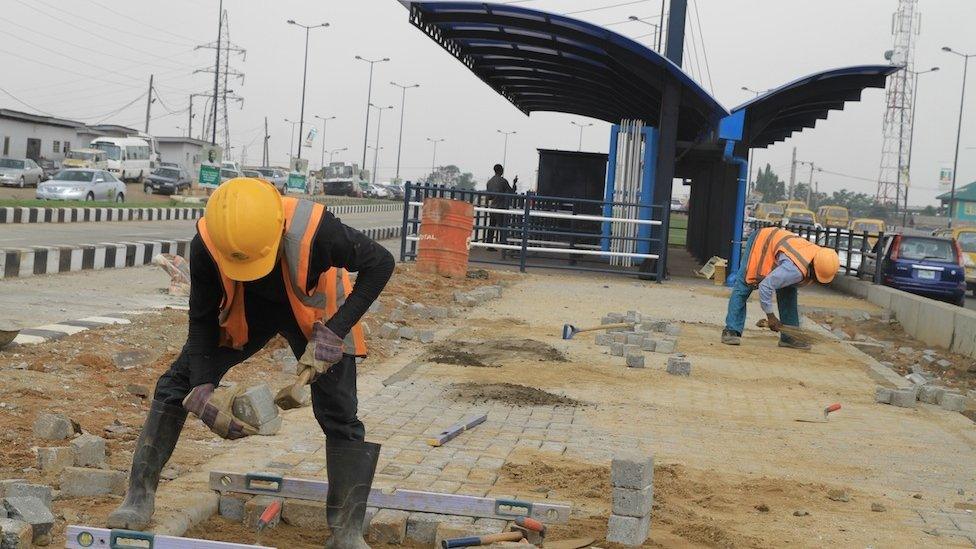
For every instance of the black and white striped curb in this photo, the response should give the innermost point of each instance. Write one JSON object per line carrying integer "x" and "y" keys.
{"x": 51, "y": 332}
{"x": 42, "y": 260}
{"x": 80, "y": 215}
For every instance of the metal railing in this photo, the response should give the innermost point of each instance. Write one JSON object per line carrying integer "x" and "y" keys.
{"x": 858, "y": 251}
{"x": 534, "y": 231}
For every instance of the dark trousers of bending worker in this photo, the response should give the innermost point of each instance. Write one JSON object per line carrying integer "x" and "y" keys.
{"x": 786, "y": 298}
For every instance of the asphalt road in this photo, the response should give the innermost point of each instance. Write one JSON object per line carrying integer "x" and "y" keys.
{"x": 66, "y": 234}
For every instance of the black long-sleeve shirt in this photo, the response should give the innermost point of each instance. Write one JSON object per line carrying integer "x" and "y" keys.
{"x": 266, "y": 301}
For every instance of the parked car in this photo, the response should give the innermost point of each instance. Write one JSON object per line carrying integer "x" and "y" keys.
{"x": 873, "y": 227}
{"x": 787, "y": 204}
{"x": 765, "y": 211}
{"x": 49, "y": 168}
{"x": 925, "y": 265}
{"x": 20, "y": 172}
{"x": 167, "y": 180}
{"x": 278, "y": 178}
{"x": 227, "y": 174}
{"x": 396, "y": 191}
{"x": 834, "y": 216}
{"x": 78, "y": 184}
{"x": 801, "y": 217}
{"x": 374, "y": 190}
{"x": 966, "y": 237}
{"x": 856, "y": 242}
{"x": 94, "y": 159}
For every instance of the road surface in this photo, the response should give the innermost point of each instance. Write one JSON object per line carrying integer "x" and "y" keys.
{"x": 67, "y": 234}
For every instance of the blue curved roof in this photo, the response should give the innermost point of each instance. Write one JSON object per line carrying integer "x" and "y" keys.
{"x": 541, "y": 61}
{"x": 777, "y": 114}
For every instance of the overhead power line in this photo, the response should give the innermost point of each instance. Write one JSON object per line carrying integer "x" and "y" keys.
{"x": 101, "y": 24}
{"x": 601, "y": 8}
{"x": 24, "y": 103}
{"x": 151, "y": 26}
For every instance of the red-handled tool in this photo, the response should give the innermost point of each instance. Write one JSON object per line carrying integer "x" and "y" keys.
{"x": 270, "y": 514}
{"x": 826, "y": 414}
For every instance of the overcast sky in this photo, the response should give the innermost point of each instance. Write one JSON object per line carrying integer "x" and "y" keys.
{"x": 86, "y": 59}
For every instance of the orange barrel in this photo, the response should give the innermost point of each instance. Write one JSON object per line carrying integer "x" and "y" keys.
{"x": 445, "y": 235}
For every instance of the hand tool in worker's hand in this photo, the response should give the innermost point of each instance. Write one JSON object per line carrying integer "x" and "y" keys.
{"x": 569, "y": 330}
{"x": 575, "y": 543}
{"x": 826, "y": 414}
{"x": 215, "y": 408}
{"x": 533, "y": 530}
{"x": 797, "y": 333}
{"x": 293, "y": 396}
{"x": 475, "y": 541}
{"x": 270, "y": 514}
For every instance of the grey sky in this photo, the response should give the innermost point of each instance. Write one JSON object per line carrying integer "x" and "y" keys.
{"x": 86, "y": 58}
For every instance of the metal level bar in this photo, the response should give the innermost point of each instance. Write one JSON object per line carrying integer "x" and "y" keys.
{"x": 83, "y": 537}
{"x": 455, "y": 430}
{"x": 404, "y": 500}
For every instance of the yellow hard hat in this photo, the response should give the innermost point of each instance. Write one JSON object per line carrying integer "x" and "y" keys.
{"x": 825, "y": 265}
{"x": 245, "y": 220}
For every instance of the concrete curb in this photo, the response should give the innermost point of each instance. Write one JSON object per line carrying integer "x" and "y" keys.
{"x": 41, "y": 260}
{"x": 21, "y": 215}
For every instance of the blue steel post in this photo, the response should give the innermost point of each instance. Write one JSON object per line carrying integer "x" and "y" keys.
{"x": 740, "y": 211}
{"x": 403, "y": 230}
{"x": 525, "y": 229}
{"x": 646, "y": 197}
{"x": 610, "y": 187}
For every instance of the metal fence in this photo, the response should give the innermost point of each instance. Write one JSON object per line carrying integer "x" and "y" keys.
{"x": 534, "y": 231}
{"x": 858, "y": 251}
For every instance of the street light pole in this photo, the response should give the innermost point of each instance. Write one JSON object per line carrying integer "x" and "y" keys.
{"x": 376, "y": 155}
{"x": 379, "y": 125}
{"x": 505, "y": 153}
{"x": 403, "y": 104}
{"x": 657, "y": 28}
{"x": 962, "y": 104}
{"x": 581, "y": 127}
{"x": 301, "y": 118}
{"x": 334, "y": 152}
{"x": 911, "y": 141}
{"x": 750, "y": 183}
{"x": 325, "y": 121}
{"x": 369, "y": 103}
{"x": 291, "y": 148}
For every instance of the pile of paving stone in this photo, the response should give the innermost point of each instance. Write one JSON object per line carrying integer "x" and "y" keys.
{"x": 644, "y": 335}
{"x": 925, "y": 390}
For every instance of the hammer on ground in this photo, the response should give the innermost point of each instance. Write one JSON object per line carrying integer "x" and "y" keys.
{"x": 293, "y": 396}
{"x": 569, "y": 330}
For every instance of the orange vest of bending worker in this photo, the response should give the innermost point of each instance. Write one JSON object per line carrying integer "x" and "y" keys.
{"x": 301, "y": 223}
{"x": 772, "y": 241}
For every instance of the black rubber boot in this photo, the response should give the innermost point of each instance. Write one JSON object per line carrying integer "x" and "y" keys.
{"x": 350, "y": 465}
{"x": 156, "y": 443}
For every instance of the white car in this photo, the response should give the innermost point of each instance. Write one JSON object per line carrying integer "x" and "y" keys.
{"x": 20, "y": 172}
{"x": 377, "y": 191}
{"x": 82, "y": 184}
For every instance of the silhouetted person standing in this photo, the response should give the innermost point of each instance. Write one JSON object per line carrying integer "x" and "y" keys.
{"x": 497, "y": 221}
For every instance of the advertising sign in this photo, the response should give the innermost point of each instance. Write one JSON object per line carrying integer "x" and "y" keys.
{"x": 297, "y": 182}
{"x": 209, "y": 176}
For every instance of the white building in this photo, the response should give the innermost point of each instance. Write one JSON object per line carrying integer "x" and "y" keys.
{"x": 185, "y": 151}
{"x": 25, "y": 135}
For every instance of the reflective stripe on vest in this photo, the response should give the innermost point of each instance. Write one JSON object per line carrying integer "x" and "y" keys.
{"x": 301, "y": 224}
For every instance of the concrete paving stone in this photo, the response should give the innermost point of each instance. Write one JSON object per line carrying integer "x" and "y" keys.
{"x": 500, "y": 450}
{"x": 425, "y": 336}
{"x": 455, "y": 472}
{"x": 483, "y": 476}
{"x": 635, "y": 339}
{"x": 256, "y": 406}
{"x": 903, "y": 398}
{"x": 305, "y": 514}
{"x": 953, "y": 402}
{"x": 476, "y": 490}
{"x": 231, "y": 506}
{"x": 422, "y": 527}
{"x": 628, "y": 531}
{"x": 33, "y": 511}
{"x": 89, "y": 450}
{"x": 631, "y": 349}
{"x": 537, "y": 423}
{"x": 397, "y": 470}
{"x": 397, "y": 315}
{"x": 615, "y": 318}
{"x": 930, "y": 394}
{"x": 388, "y": 527}
{"x": 617, "y": 349}
{"x": 632, "y": 316}
{"x": 635, "y": 360}
{"x": 664, "y": 346}
{"x": 649, "y": 344}
{"x": 444, "y": 486}
{"x": 55, "y": 459}
{"x": 882, "y": 395}
{"x": 42, "y": 492}
{"x": 408, "y": 333}
{"x": 619, "y": 337}
{"x": 678, "y": 366}
{"x": 632, "y": 469}
{"x": 672, "y": 329}
{"x": 632, "y": 503}
{"x": 15, "y": 534}
{"x": 553, "y": 447}
{"x": 253, "y": 509}
{"x": 85, "y": 482}
{"x": 408, "y": 456}
{"x": 389, "y": 330}
{"x": 53, "y": 427}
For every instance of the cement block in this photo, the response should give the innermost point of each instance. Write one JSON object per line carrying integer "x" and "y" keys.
{"x": 425, "y": 336}
{"x": 388, "y": 526}
{"x": 438, "y": 312}
{"x": 964, "y": 333}
{"x": 882, "y": 395}
{"x": 389, "y": 330}
{"x": 34, "y": 512}
{"x": 633, "y": 503}
{"x": 607, "y": 320}
{"x": 6, "y": 484}
{"x": 664, "y": 346}
{"x": 679, "y": 366}
{"x": 53, "y": 427}
{"x": 370, "y": 513}
{"x": 617, "y": 349}
{"x": 417, "y": 310}
{"x": 635, "y": 360}
{"x": 620, "y": 337}
{"x": 231, "y": 506}
{"x": 256, "y": 405}
{"x": 408, "y": 333}
{"x": 881, "y": 295}
{"x": 953, "y": 402}
{"x": 672, "y": 329}
{"x": 632, "y": 469}
{"x": 494, "y": 526}
{"x": 635, "y": 339}
{"x": 614, "y": 318}
{"x": 305, "y": 514}
{"x": 15, "y": 534}
{"x": 89, "y": 450}
{"x": 42, "y": 492}
{"x": 604, "y": 340}
{"x": 253, "y": 509}
{"x": 906, "y": 308}
{"x": 83, "y": 482}
{"x": 632, "y": 316}
{"x": 54, "y": 460}
{"x": 631, "y": 349}
{"x": 422, "y": 527}
{"x": 903, "y": 398}
{"x": 397, "y": 315}
{"x": 931, "y": 394}
{"x": 649, "y": 344}
{"x": 628, "y": 531}
{"x": 272, "y": 427}
{"x": 934, "y": 327}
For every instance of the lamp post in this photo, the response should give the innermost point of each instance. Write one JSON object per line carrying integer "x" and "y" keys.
{"x": 332, "y": 153}
{"x": 750, "y": 184}
{"x": 301, "y": 118}
{"x": 505, "y": 153}
{"x": 911, "y": 139}
{"x": 581, "y": 127}
{"x": 376, "y": 155}
{"x": 369, "y": 101}
{"x": 325, "y": 122}
{"x": 291, "y": 148}
{"x": 403, "y": 105}
{"x": 379, "y": 124}
{"x": 962, "y": 104}
{"x": 657, "y": 29}
{"x": 433, "y": 163}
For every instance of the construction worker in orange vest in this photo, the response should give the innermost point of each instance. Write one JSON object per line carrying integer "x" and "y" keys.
{"x": 777, "y": 261}
{"x": 263, "y": 265}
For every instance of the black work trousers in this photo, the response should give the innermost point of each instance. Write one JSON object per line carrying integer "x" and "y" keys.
{"x": 496, "y": 233}
{"x": 334, "y": 399}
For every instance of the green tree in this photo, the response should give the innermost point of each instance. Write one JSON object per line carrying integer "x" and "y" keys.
{"x": 769, "y": 185}
{"x": 465, "y": 182}
{"x": 929, "y": 210}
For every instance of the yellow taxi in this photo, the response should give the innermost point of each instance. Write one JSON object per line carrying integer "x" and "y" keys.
{"x": 966, "y": 238}
{"x": 834, "y": 216}
{"x": 768, "y": 212}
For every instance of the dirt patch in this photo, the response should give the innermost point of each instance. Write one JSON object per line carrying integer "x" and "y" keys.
{"x": 493, "y": 352}
{"x": 508, "y": 393}
{"x": 282, "y": 535}
{"x": 571, "y": 479}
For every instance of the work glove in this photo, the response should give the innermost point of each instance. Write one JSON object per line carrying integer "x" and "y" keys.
{"x": 215, "y": 409}
{"x": 327, "y": 345}
{"x": 773, "y": 323}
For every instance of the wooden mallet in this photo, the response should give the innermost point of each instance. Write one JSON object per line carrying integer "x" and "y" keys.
{"x": 569, "y": 330}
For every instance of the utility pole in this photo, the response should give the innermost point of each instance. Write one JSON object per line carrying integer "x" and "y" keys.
{"x": 264, "y": 158}
{"x": 149, "y": 102}
{"x": 433, "y": 163}
{"x": 220, "y": 28}
{"x": 911, "y": 143}
{"x": 789, "y": 195}
{"x": 189, "y": 124}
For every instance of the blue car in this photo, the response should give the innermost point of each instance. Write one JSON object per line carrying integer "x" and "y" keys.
{"x": 925, "y": 265}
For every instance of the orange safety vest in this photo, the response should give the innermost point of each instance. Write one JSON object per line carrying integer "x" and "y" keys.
{"x": 302, "y": 219}
{"x": 772, "y": 241}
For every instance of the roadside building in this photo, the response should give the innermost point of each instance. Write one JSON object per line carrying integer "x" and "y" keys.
{"x": 24, "y": 135}
{"x": 185, "y": 151}
{"x": 965, "y": 205}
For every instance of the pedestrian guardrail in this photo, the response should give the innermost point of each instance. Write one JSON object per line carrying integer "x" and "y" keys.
{"x": 535, "y": 231}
